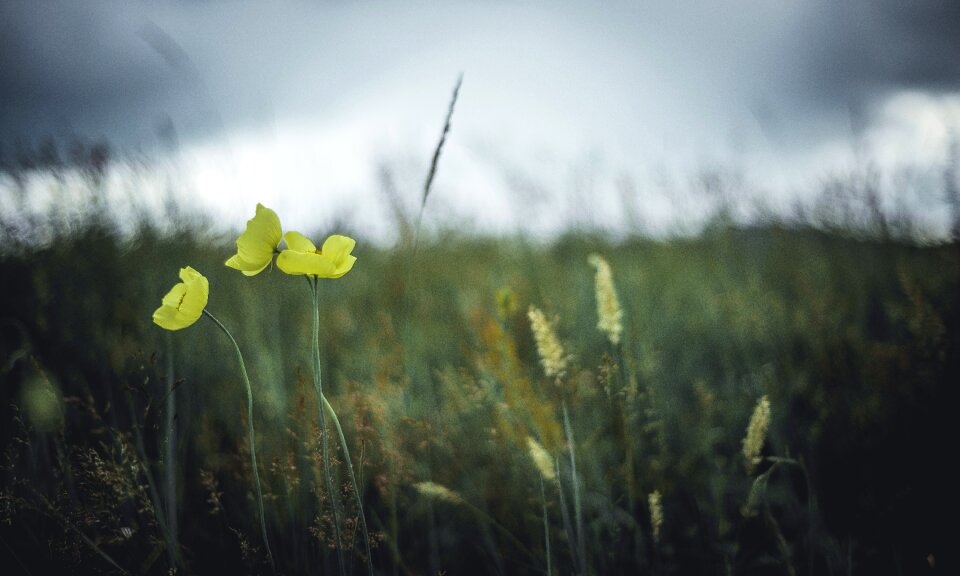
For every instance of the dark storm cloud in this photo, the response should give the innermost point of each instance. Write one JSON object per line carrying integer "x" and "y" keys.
{"x": 67, "y": 69}
{"x": 850, "y": 51}
{"x": 119, "y": 70}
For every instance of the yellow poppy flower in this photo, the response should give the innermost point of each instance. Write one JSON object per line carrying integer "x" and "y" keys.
{"x": 183, "y": 304}
{"x": 333, "y": 260}
{"x": 255, "y": 247}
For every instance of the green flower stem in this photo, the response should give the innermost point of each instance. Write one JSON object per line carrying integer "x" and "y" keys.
{"x": 318, "y": 385}
{"x": 353, "y": 481}
{"x": 251, "y": 437}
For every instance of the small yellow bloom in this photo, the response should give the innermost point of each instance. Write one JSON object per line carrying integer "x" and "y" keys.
{"x": 333, "y": 260}
{"x": 183, "y": 304}
{"x": 255, "y": 247}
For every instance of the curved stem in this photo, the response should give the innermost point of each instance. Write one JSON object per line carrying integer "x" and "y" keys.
{"x": 806, "y": 478}
{"x": 318, "y": 385}
{"x": 353, "y": 481}
{"x": 251, "y": 437}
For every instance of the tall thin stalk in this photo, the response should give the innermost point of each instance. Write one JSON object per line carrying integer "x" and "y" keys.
{"x": 251, "y": 437}
{"x": 575, "y": 480}
{"x": 434, "y": 162}
{"x": 353, "y": 482}
{"x": 565, "y": 516}
{"x": 546, "y": 527}
{"x": 158, "y": 504}
{"x": 318, "y": 386}
{"x": 169, "y": 457}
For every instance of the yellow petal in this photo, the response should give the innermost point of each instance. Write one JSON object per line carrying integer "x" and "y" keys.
{"x": 265, "y": 226}
{"x": 184, "y": 303}
{"x": 175, "y": 296}
{"x": 253, "y": 249}
{"x": 166, "y": 317}
{"x": 344, "y": 266}
{"x": 310, "y": 263}
{"x": 256, "y": 245}
{"x": 298, "y": 242}
{"x": 198, "y": 290}
{"x": 248, "y": 269}
{"x": 188, "y": 275}
{"x": 337, "y": 246}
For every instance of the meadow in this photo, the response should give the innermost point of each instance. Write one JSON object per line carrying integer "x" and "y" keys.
{"x": 778, "y": 402}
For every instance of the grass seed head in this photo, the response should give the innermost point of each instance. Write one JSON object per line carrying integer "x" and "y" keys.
{"x": 434, "y": 490}
{"x": 548, "y": 345}
{"x": 609, "y": 312}
{"x": 756, "y": 434}
{"x": 541, "y": 459}
{"x": 655, "y": 502}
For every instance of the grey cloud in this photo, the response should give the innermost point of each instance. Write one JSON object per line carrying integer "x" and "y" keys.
{"x": 120, "y": 69}
{"x": 851, "y": 50}
{"x": 66, "y": 69}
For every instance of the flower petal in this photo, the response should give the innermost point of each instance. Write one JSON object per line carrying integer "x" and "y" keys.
{"x": 298, "y": 242}
{"x": 256, "y": 245}
{"x": 166, "y": 317}
{"x": 195, "y": 300}
{"x": 344, "y": 265}
{"x": 253, "y": 249}
{"x": 338, "y": 246}
{"x": 175, "y": 296}
{"x": 188, "y": 275}
{"x": 184, "y": 303}
{"x": 310, "y": 263}
{"x": 264, "y": 227}
{"x": 248, "y": 269}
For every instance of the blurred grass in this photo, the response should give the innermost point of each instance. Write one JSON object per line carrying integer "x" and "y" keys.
{"x": 853, "y": 339}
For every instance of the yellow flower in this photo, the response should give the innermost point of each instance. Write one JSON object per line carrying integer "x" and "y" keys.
{"x": 333, "y": 260}
{"x": 183, "y": 304}
{"x": 255, "y": 247}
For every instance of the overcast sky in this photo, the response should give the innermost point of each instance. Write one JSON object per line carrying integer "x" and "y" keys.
{"x": 566, "y": 109}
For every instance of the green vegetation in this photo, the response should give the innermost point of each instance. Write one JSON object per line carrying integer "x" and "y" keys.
{"x": 430, "y": 363}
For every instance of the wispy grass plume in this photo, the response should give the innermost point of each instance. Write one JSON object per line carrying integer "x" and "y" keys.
{"x": 756, "y": 434}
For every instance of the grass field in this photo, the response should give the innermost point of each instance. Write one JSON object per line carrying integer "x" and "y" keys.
{"x": 125, "y": 446}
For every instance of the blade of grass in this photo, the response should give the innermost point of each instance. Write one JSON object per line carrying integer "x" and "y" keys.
{"x": 575, "y": 480}
{"x": 546, "y": 526}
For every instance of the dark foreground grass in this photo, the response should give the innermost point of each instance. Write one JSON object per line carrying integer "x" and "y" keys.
{"x": 432, "y": 368}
